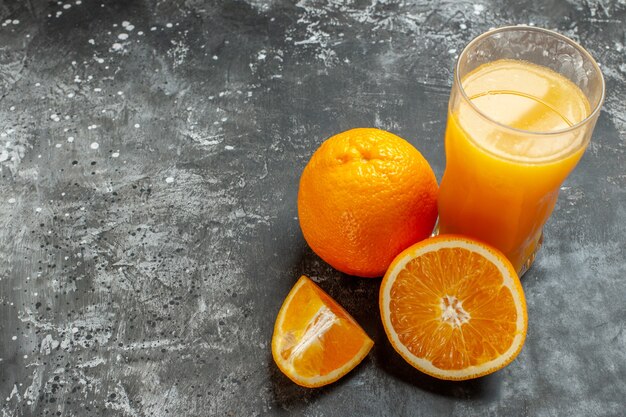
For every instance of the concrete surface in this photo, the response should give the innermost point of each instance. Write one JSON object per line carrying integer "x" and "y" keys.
{"x": 150, "y": 153}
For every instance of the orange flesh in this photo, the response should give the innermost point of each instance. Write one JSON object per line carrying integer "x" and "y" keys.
{"x": 316, "y": 335}
{"x": 429, "y": 320}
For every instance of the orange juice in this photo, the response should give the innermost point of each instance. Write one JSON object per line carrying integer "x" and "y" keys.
{"x": 503, "y": 172}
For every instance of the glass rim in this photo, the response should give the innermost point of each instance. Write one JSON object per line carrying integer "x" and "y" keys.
{"x": 592, "y": 114}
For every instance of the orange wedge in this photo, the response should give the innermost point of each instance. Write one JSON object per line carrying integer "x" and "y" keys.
{"x": 454, "y": 308}
{"x": 315, "y": 340}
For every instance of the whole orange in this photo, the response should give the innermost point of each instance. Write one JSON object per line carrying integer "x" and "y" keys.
{"x": 364, "y": 197}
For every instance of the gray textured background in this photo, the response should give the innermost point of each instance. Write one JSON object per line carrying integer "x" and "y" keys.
{"x": 148, "y": 229}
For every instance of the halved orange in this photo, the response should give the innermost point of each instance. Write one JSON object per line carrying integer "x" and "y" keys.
{"x": 315, "y": 340}
{"x": 454, "y": 308}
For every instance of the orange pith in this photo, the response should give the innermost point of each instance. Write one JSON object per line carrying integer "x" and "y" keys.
{"x": 454, "y": 308}
{"x": 366, "y": 195}
{"x": 315, "y": 340}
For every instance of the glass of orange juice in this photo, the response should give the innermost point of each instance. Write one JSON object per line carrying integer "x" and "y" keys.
{"x": 522, "y": 109}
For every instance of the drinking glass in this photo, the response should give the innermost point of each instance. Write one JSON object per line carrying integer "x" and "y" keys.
{"x": 522, "y": 109}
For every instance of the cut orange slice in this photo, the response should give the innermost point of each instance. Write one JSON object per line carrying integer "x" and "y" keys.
{"x": 454, "y": 308}
{"x": 315, "y": 340}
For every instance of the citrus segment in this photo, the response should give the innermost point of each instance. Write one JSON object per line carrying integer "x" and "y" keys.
{"x": 315, "y": 340}
{"x": 454, "y": 308}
